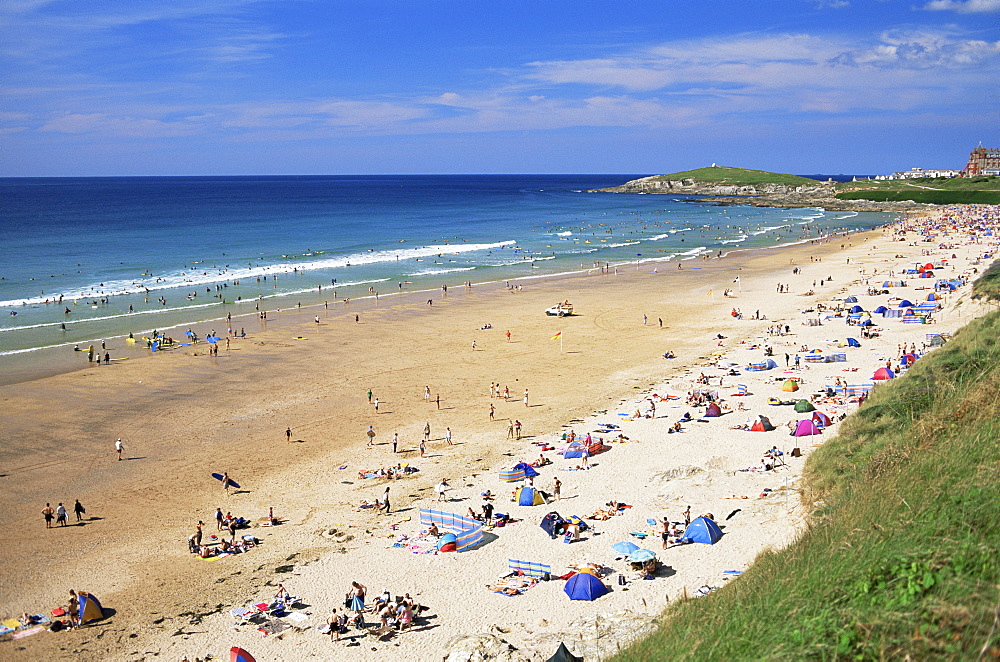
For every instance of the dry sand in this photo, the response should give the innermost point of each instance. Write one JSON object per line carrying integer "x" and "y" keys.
{"x": 184, "y": 414}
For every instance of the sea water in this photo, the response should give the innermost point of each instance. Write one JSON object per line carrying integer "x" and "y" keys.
{"x": 84, "y": 259}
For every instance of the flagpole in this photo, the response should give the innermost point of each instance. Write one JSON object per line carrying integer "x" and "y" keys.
{"x": 560, "y": 343}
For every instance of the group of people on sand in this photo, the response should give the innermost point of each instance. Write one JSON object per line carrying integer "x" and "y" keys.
{"x": 394, "y": 613}
{"x": 60, "y": 515}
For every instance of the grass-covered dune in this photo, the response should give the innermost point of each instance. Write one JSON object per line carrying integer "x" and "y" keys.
{"x": 736, "y": 177}
{"x": 902, "y": 557}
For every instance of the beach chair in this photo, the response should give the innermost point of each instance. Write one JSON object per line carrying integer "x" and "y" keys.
{"x": 245, "y": 615}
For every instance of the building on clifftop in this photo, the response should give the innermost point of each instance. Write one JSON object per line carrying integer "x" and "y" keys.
{"x": 983, "y": 161}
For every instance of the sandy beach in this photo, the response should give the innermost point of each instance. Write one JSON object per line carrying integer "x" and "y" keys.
{"x": 184, "y": 414}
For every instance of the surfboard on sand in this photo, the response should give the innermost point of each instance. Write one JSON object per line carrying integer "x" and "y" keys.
{"x": 232, "y": 483}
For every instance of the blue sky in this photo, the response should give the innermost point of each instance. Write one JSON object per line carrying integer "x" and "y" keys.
{"x": 175, "y": 87}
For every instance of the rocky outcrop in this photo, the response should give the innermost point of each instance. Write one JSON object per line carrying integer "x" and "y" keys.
{"x": 762, "y": 195}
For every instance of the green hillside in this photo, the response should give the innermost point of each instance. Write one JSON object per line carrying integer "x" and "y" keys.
{"x": 940, "y": 190}
{"x": 902, "y": 557}
{"x": 737, "y": 177}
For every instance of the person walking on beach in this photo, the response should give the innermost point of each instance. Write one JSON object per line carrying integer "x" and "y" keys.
{"x": 427, "y": 394}
{"x": 61, "y": 514}
{"x": 288, "y": 435}
{"x": 119, "y": 447}
{"x": 369, "y": 396}
{"x": 508, "y": 335}
{"x": 371, "y": 435}
{"x": 510, "y": 429}
{"x": 48, "y": 514}
{"x": 376, "y": 405}
{"x": 441, "y": 488}
{"x": 438, "y": 400}
{"x": 225, "y": 482}
{"x": 556, "y": 487}
{"x": 395, "y": 441}
{"x": 79, "y": 510}
{"x": 218, "y": 518}
{"x": 423, "y": 447}
{"x": 385, "y": 500}
{"x": 517, "y": 429}
{"x": 447, "y": 435}
{"x": 492, "y": 411}
{"x": 427, "y": 431}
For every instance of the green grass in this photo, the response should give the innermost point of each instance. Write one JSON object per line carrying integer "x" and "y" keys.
{"x": 901, "y": 559}
{"x": 738, "y": 177}
{"x": 936, "y": 190}
{"x": 952, "y": 197}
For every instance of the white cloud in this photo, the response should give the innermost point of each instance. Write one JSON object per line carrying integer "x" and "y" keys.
{"x": 964, "y": 6}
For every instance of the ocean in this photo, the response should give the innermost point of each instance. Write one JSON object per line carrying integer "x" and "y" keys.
{"x": 88, "y": 259}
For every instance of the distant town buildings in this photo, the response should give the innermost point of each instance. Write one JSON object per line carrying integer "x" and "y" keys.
{"x": 982, "y": 162}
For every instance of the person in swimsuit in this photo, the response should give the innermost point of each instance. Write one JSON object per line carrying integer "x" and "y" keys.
{"x": 48, "y": 514}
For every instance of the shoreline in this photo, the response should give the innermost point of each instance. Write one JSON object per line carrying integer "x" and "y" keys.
{"x": 184, "y": 413}
{"x": 55, "y": 361}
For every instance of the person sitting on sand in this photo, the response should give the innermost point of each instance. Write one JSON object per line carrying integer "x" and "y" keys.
{"x": 433, "y": 531}
{"x": 281, "y": 595}
{"x": 474, "y": 515}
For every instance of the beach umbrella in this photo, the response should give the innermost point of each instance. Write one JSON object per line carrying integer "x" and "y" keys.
{"x": 625, "y": 547}
{"x": 641, "y": 556}
{"x": 237, "y": 654}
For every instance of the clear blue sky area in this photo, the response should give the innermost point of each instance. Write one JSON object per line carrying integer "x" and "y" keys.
{"x": 176, "y": 87}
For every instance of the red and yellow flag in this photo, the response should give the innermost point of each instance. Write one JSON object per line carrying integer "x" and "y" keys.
{"x": 557, "y": 336}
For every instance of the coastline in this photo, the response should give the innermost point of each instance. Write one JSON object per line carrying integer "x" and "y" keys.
{"x": 185, "y": 410}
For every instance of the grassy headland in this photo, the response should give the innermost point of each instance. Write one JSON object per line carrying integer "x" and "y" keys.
{"x": 736, "y": 177}
{"x": 902, "y": 557}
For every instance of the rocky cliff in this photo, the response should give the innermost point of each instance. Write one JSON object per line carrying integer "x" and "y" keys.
{"x": 760, "y": 195}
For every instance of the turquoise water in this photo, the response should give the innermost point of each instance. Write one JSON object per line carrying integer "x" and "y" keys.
{"x": 129, "y": 255}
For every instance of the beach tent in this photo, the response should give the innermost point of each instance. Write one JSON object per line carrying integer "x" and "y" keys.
{"x": 905, "y": 303}
{"x": 585, "y": 586}
{"x": 909, "y": 358}
{"x": 937, "y": 341}
{"x": 90, "y": 608}
{"x": 790, "y": 386}
{"x": 447, "y": 543}
{"x": 857, "y": 309}
{"x": 578, "y": 521}
{"x": 867, "y": 322}
{"x": 851, "y": 299}
{"x": 853, "y": 342}
{"x": 703, "y": 530}
{"x": 933, "y": 297}
{"x": 881, "y": 310}
{"x": 562, "y": 654}
{"x": 770, "y": 363}
{"x": 821, "y": 420}
{"x": 529, "y": 496}
{"x": 804, "y": 407}
{"x": 883, "y": 373}
{"x": 713, "y": 410}
{"x": 575, "y": 449}
{"x": 468, "y": 532}
{"x": 237, "y": 654}
{"x": 761, "y": 425}
{"x": 552, "y": 524}
{"x": 927, "y": 274}
{"x": 805, "y": 428}
{"x": 529, "y": 471}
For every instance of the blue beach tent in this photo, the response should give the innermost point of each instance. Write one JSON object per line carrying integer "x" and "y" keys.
{"x": 585, "y": 586}
{"x": 703, "y": 530}
{"x": 529, "y": 496}
{"x": 851, "y": 299}
{"x": 853, "y": 342}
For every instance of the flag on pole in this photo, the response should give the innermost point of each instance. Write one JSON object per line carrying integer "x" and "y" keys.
{"x": 557, "y": 336}
{"x": 710, "y": 292}
{"x": 737, "y": 279}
